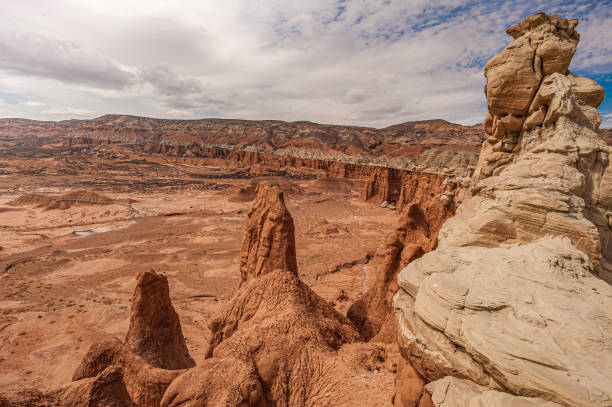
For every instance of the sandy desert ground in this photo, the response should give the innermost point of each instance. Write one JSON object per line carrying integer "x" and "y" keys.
{"x": 67, "y": 269}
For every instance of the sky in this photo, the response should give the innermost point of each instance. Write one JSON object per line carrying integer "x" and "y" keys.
{"x": 358, "y": 62}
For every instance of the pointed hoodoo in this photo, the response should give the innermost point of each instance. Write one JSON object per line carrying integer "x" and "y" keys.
{"x": 154, "y": 352}
{"x": 155, "y": 332}
{"x": 275, "y": 330}
{"x": 269, "y": 242}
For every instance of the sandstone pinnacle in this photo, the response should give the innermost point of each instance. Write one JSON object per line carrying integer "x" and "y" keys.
{"x": 155, "y": 331}
{"x": 269, "y": 242}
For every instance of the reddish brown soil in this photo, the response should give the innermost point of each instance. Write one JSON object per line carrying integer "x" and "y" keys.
{"x": 67, "y": 276}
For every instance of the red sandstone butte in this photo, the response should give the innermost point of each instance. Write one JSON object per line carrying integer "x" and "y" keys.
{"x": 276, "y": 332}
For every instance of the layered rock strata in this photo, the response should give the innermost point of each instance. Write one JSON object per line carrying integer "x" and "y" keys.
{"x": 510, "y": 299}
{"x": 398, "y": 143}
{"x": 453, "y": 392}
{"x": 556, "y": 179}
{"x": 383, "y": 183}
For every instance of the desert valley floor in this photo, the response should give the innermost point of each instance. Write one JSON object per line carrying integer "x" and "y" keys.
{"x": 68, "y": 271}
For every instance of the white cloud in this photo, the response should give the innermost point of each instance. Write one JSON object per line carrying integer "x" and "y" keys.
{"x": 365, "y": 62}
{"x": 30, "y": 54}
{"x": 180, "y": 114}
{"x": 67, "y": 111}
{"x": 609, "y": 115}
{"x": 33, "y": 103}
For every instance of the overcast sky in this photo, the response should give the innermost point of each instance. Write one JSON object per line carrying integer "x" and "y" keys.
{"x": 368, "y": 62}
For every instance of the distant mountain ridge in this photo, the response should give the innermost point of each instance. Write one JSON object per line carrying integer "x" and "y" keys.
{"x": 406, "y": 139}
{"x": 427, "y": 145}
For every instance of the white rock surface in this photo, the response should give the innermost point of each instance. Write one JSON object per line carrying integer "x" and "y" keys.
{"x": 453, "y": 392}
{"x": 532, "y": 319}
{"x": 511, "y": 299}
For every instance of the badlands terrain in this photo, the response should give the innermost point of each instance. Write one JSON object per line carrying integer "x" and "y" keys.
{"x": 220, "y": 262}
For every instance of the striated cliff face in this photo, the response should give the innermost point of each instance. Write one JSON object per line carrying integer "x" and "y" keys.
{"x": 383, "y": 183}
{"x": 13, "y": 128}
{"x": 430, "y": 145}
{"x": 407, "y": 139}
{"x": 510, "y": 299}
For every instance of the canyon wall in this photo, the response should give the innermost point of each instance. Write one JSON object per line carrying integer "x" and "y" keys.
{"x": 383, "y": 183}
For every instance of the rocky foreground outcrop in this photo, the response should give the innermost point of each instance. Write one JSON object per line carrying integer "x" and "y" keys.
{"x": 511, "y": 299}
{"x": 155, "y": 332}
{"x": 118, "y": 374}
{"x": 282, "y": 338}
{"x": 150, "y": 359}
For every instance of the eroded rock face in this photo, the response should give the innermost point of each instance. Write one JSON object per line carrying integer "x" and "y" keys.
{"x": 453, "y": 392}
{"x": 134, "y": 373}
{"x": 217, "y": 382}
{"x": 277, "y": 342}
{"x": 416, "y": 233}
{"x": 532, "y": 319}
{"x": 105, "y": 390}
{"x": 424, "y": 205}
{"x": 510, "y": 299}
{"x": 288, "y": 332}
{"x": 146, "y": 363}
{"x": 155, "y": 330}
{"x": 544, "y": 169}
{"x": 144, "y": 383}
{"x": 383, "y": 185}
{"x": 269, "y": 240}
{"x": 543, "y": 45}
